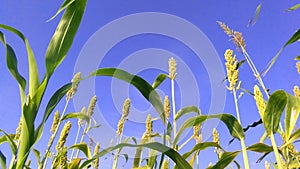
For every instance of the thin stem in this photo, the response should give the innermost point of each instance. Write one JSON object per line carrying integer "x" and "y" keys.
{"x": 245, "y": 156}
{"x": 173, "y": 108}
{"x": 81, "y": 139}
{"x": 73, "y": 150}
{"x": 44, "y": 160}
{"x": 277, "y": 156}
{"x": 116, "y": 157}
{"x": 183, "y": 144}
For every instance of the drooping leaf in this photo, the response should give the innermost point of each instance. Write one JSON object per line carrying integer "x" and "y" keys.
{"x": 171, "y": 153}
{"x": 274, "y": 109}
{"x": 292, "y": 114}
{"x": 200, "y": 146}
{"x": 84, "y": 148}
{"x": 33, "y": 70}
{"x": 38, "y": 156}
{"x": 293, "y": 7}
{"x": 231, "y": 122}
{"x": 2, "y": 160}
{"x": 159, "y": 79}
{"x": 81, "y": 116}
{"x": 63, "y": 37}
{"x": 187, "y": 110}
{"x": 144, "y": 87}
{"x": 11, "y": 142}
{"x": 260, "y": 148}
{"x": 74, "y": 164}
{"x": 225, "y": 160}
{"x": 61, "y": 8}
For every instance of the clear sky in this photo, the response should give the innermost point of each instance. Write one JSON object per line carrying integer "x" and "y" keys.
{"x": 140, "y": 36}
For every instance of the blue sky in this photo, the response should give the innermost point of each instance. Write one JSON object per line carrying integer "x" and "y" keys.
{"x": 274, "y": 27}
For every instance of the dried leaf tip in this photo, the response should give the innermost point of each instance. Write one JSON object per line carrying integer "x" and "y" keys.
{"x": 296, "y": 91}
{"x": 172, "y": 68}
{"x": 92, "y": 106}
{"x": 225, "y": 28}
{"x": 259, "y": 100}
{"x": 231, "y": 68}
{"x": 75, "y": 82}
{"x": 167, "y": 107}
{"x": 55, "y": 121}
{"x": 63, "y": 135}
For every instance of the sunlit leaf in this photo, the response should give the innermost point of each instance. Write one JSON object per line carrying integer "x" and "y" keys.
{"x": 187, "y": 110}
{"x": 273, "y": 112}
{"x": 3, "y": 139}
{"x": 292, "y": 114}
{"x": 294, "y": 7}
{"x": 292, "y": 138}
{"x": 2, "y": 160}
{"x": 260, "y": 148}
{"x": 159, "y": 79}
{"x": 61, "y": 8}
{"x": 11, "y": 142}
{"x": 200, "y": 146}
{"x": 38, "y": 156}
{"x": 84, "y": 148}
{"x": 297, "y": 58}
{"x": 74, "y": 164}
{"x": 225, "y": 160}
{"x": 144, "y": 87}
{"x": 81, "y": 116}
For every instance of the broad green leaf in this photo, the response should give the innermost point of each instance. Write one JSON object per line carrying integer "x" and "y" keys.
{"x": 159, "y": 79}
{"x": 260, "y": 148}
{"x": 84, "y": 148}
{"x": 11, "y": 142}
{"x": 200, "y": 146}
{"x": 12, "y": 64}
{"x": 293, "y": 39}
{"x": 74, "y": 164}
{"x": 64, "y": 35}
{"x": 54, "y": 100}
{"x": 187, "y": 110}
{"x": 274, "y": 109}
{"x": 292, "y": 114}
{"x": 171, "y": 153}
{"x": 81, "y": 116}
{"x": 144, "y": 87}
{"x": 231, "y": 122}
{"x": 292, "y": 138}
{"x": 61, "y": 8}
{"x": 294, "y": 7}
{"x": 38, "y": 156}
{"x": 2, "y": 160}
{"x": 33, "y": 70}
{"x": 225, "y": 160}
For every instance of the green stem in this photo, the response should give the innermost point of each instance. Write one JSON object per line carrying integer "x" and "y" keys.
{"x": 275, "y": 149}
{"x": 81, "y": 139}
{"x": 116, "y": 157}
{"x": 245, "y": 156}
{"x": 183, "y": 144}
{"x": 44, "y": 160}
{"x": 173, "y": 108}
{"x": 73, "y": 150}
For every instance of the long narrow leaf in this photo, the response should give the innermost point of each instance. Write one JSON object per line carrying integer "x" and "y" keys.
{"x": 11, "y": 142}
{"x": 187, "y": 110}
{"x": 61, "y": 8}
{"x": 292, "y": 114}
{"x": 260, "y": 148}
{"x": 143, "y": 86}
{"x": 225, "y": 160}
{"x": 200, "y": 146}
{"x": 2, "y": 160}
{"x": 171, "y": 153}
{"x": 294, "y": 7}
{"x": 159, "y": 79}
{"x": 292, "y": 138}
{"x": 84, "y": 148}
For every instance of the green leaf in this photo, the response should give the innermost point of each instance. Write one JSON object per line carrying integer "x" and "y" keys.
{"x": 187, "y": 110}
{"x": 33, "y": 70}
{"x": 231, "y": 122}
{"x": 12, "y": 64}
{"x": 292, "y": 114}
{"x": 2, "y": 160}
{"x": 254, "y": 19}
{"x": 225, "y": 159}
{"x": 274, "y": 109}
{"x": 292, "y": 138}
{"x": 144, "y": 87}
{"x": 200, "y": 146}
{"x": 297, "y": 58}
{"x": 38, "y": 156}
{"x": 3, "y": 139}
{"x": 54, "y": 100}
{"x": 152, "y": 159}
{"x": 84, "y": 148}
{"x": 260, "y": 148}
{"x": 81, "y": 116}
{"x": 61, "y": 8}
{"x": 10, "y": 141}
{"x": 293, "y": 39}
{"x": 171, "y": 153}
{"x": 159, "y": 79}
{"x": 64, "y": 35}
{"x": 293, "y": 7}
{"x": 74, "y": 164}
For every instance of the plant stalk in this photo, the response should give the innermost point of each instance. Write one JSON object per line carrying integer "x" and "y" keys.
{"x": 173, "y": 108}
{"x": 275, "y": 149}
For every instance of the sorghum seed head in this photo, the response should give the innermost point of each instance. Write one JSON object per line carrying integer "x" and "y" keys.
{"x": 298, "y": 67}
{"x": 63, "y": 158}
{"x": 296, "y": 91}
{"x": 80, "y": 121}
{"x": 120, "y": 126}
{"x": 167, "y": 107}
{"x": 172, "y": 68}
{"x": 96, "y": 162}
{"x": 63, "y": 135}
{"x": 165, "y": 164}
{"x": 216, "y": 137}
{"x": 75, "y": 82}
{"x": 239, "y": 40}
{"x": 149, "y": 125}
{"x": 55, "y": 121}
{"x": 260, "y": 102}
{"x": 196, "y": 131}
{"x": 126, "y": 107}
{"x": 225, "y": 28}
{"x": 231, "y": 68}
{"x": 92, "y": 106}
{"x": 18, "y": 130}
